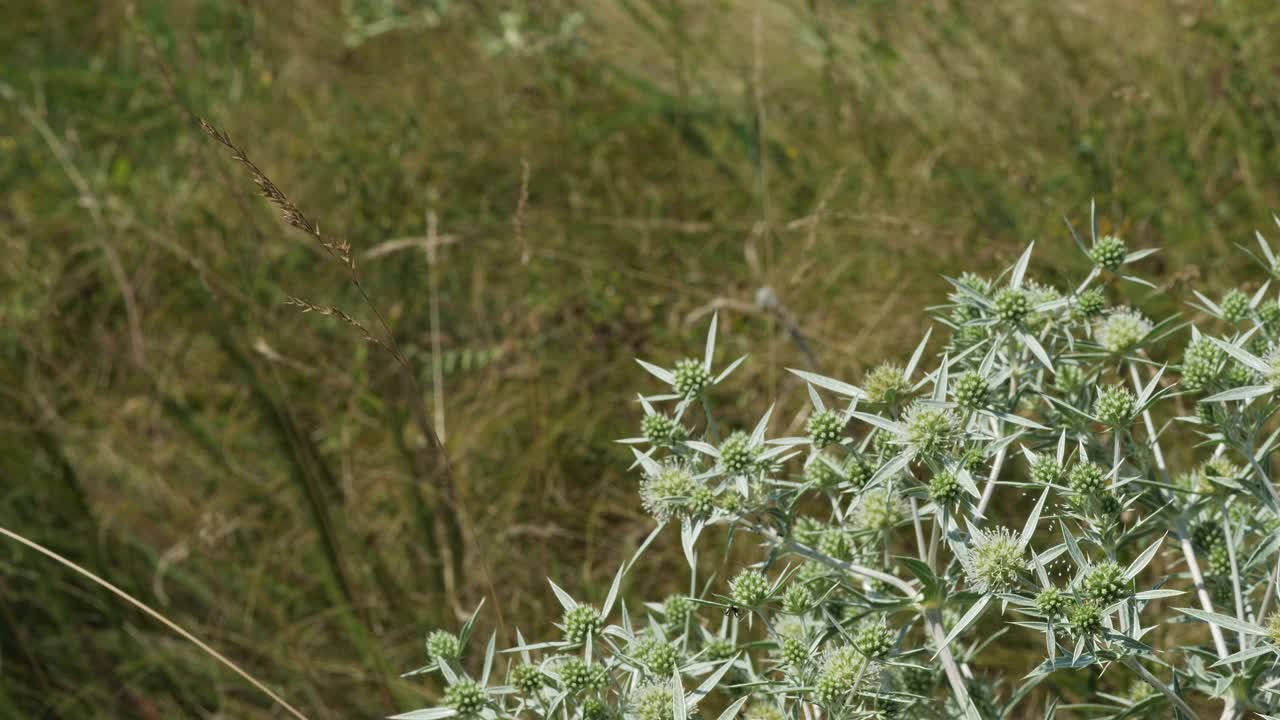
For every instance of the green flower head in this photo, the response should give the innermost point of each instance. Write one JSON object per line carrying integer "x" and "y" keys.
{"x": 1012, "y": 305}
{"x": 670, "y": 491}
{"x": 931, "y": 430}
{"x": 1115, "y": 406}
{"x": 839, "y": 676}
{"x": 578, "y": 676}
{"x": 873, "y": 640}
{"x": 1269, "y": 315}
{"x": 677, "y": 610}
{"x": 885, "y": 384}
{"x": 824, "y": 428}
{"x": 1108, "y": 252}
{"x": 917, "y": 680}
{"x": 581, "y": 621}
{"x": 1122, "y": 330}
{"x": 1273, "y": 627}
{"x": 880, "y": 511}
{"x": 976, "y": 283}
{"x": 835, "y": 543}
{"x": 1207, "y": 535}
{"x": 1104, "y": 583}
{"x": 944, "y": 489}
{"x": 1050, "y": 602}
{"x": 443, "y": 646}
{"x": 691, "y": 378}
{"x": 764, "y": 711}
{"x": 1235, "y": 307}
{"x": 795, "y": 651}
{"x": 1272, "y": 359}
{"x": 596, "y": 709}
{"x": 719, "y": 649}
{"x": 1085, "y": 619}
{"x": 1045, "y": 470}
{"x": 528, "y": 679}
{"x": 797, "y": 599}
{"x": 1201, "y": 364}
{"x": 971, "y": 391}
{"x": 661, "y": 430}
{"x": 995, "y": 560}
{"x": 653, "y": 702}
{"x": 662, "y": 659}
{"x": 1219, "y": 561}
{"x": 465, "y": 696}
{"x": 1068, "y": 379}
{"x": 1090, "y": 303}
{"x": 750, "y": 588}
{"x": 737, "y": 455}
{"x": 1087, "y": 479}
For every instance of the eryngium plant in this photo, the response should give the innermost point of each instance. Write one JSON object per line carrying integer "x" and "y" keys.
{"x": 882, "y": 554}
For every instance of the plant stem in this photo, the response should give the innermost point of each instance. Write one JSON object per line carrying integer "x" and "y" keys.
{"x": 920, "y": 543}
{"x": 1158, "y": 684}
{"x": 711, "y": 421}
{"x": 1219, "y": 643}
{"x": 990, "y": 489}
{"x": 1235, "y": 575}
{"x": 933, "y": 619}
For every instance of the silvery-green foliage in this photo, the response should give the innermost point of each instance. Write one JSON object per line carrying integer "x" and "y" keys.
{"x": 884, "y": 552}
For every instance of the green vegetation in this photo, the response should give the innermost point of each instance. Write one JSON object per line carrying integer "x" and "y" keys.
{"x": 535, "y": 194}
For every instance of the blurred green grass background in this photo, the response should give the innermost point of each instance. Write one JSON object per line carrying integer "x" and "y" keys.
{"x": 254, "y": 473}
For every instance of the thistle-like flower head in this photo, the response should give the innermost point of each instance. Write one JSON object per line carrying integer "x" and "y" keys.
{"x": 528, "y": 679}
{"x": 1122, "y": 330}
{"x": 1115, "y": 406}
{"x": 1104, "y": 583}
{"x": 873, "y": 640}
{"x": 1108, "y": 252}
{"x": 677, "y": 610}
{"x": 931, "y": 430}
{"x": 581, "y": 621}
{"x": 443, "y": 646}
{"x": 466, "y": 696}
{"x": 1090, "y": 303}
{"x": 797, "y": 599}
{"x": 691, "y": 378}
{"x": 1273, "y": 628}
{"x": 1201, "y": 364}
{"x": 653, "y": 702}
{"x": 971, "y": 390}
{"x": 1050, "y": 602}
{"x": 1235, "y": 306}
{"x": 670, "y": 491}
{"x": 944, "y": 489}
{"x": 885, "y": 384}
{"x": 750, "y": 588}
{"x": 661, "y": 429}
{"x": 1087, "y": 479}
{"x": 738, "y": 456}
{"x": 579, "y": 676}
{"x": 1045, "y": 470}
{"x": 995, "y": 560}
{"x": 1012, "y": 305}
{"x": 880, "y": 511}
{"x": 1085, "y": 619}
{"x": 795, "y": 651}
{"x": 840, "y": 675}
{"x": 824, "y": 428}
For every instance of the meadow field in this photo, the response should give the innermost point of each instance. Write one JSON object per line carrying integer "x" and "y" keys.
{"x": 534, "y": 194}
